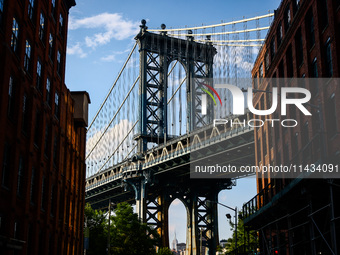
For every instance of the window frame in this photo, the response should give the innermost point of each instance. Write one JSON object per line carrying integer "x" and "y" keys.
{"x": 30, "y": 9}
{"x": 15, "y": 35}
{"x": 42, "y": 26}
{"x": 39, "y": 80}
{"x": 28, "y": 56}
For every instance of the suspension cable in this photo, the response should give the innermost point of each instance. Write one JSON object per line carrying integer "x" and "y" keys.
{"x": 114, "y": 84}
{"x": 118, "y": 146}
{"x": 216, "y": 25}
{"x": 107, "y": 127}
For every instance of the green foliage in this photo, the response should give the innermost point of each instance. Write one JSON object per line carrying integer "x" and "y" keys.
{"x": 164, "y": 251}
{"x": 242, "y": 238}
{"x": 129, "y": 235}
{"x": 97, "y": 224}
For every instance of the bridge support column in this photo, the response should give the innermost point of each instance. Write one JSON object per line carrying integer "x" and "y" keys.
{"x": 141, "y": 201}
{"x": 202, "y": 231}
{"x": 139, "y": 186}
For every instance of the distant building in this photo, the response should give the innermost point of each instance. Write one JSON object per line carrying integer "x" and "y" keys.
{"x": 42, "y": 133}
{"x": 299, "y": 216}
{"x": 174, "y": 244}
{"x": 181, "y": 248}
{"x": 223, "y": 243}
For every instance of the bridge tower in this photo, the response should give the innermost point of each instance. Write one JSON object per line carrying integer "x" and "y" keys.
{"x": 154, "y": 195}
{"x": 157, "y": 51}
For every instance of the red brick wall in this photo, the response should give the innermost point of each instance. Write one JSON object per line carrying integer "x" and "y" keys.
{"x": 52, "y": 226}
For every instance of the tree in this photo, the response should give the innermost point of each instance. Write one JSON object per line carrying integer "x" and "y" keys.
{"x": 243, "y": 244}
{"x": 129, "y": 236}
{"x": 164, "y": 251}
{"x": 97, "y": 224}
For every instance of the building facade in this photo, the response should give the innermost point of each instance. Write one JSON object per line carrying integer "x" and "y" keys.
{"x": 42, "y": 133}
{"x": 299, "y": 215}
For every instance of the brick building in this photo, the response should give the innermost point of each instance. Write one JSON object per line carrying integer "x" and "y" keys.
{"x": 298, "y": 215}
{"x": 42, "y": 133}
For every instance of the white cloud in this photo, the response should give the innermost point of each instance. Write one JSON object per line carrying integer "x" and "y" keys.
{"x": 76, "y": 50}
{"x": 112, "y": 57}
{"x": 108, "y": 58}
{"x": 112, "y": 26}
{"x": 101, "y": 146}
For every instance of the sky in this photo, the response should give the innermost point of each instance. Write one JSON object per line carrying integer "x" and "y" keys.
{"x": 100, "y": 37}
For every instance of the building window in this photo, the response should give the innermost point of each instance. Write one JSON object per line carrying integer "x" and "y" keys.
{"x": 264, "y": 144}
{"x": 295, "y": 144}
{"x": 42, "y": 27}
{"x": 56, "y": 106}
{"x": 286, "y": 154}
{"x": 299, "y": 47}
{"x": 43, "y": 194}
{"x": 27, "y": 60}
{"x": 256, "y": 82}
{"x": 20, "y": 176}
{"x": 15, "y": 35}
{"x": 305, "y": 135}
{"x": 261, "y": 71}
{"x": 272, "y": 48}
{"x": 59, "y": 63}
{"x": 328, "y": 53}
{"x": 258, "y": 151}
{"x": 55, "y": 151}
{"x": 37, "y": 131}
{"x": 50, "y": 49}
{"x": 310, "y": 28}
{"x": 52, "y": 200}
{"x": 296, "y": 6}
{"x": 16, "y": 230}
{"x": 277, "y": 129}
{"x": 287, "y": 18}
{"x": 61, "y": 25}
{"x": 323, "y": 10}
{"x": 39, "y": 78}
{"x": 48, "y": 91}
{"x": 24, "y": 114}
{"x": 11, "y": 97}
{"x": 6, "y": 166}
{"x": 281, "y": 70}
{"x": 270, "y": 135}
{"x": 46, "y": 144}
{"x": 314, "y": 70}
{"x": 289, "y": 62}
{"x": 332, "y": 116}
{"x": 279, "y": 34}
{"x": 297, "y": 3}
{"x": 32, "y": 187}
{"x": 267, "y": 61}
{"x": 53, "y": 8}
{"x": 30, "y": 9}
{"x": 1, "y": 9}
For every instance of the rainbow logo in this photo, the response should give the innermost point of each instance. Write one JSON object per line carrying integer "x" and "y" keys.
{"x": 214, "y": 91}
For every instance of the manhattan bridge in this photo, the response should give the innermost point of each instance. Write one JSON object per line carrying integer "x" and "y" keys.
{"x": 142, "y": 139}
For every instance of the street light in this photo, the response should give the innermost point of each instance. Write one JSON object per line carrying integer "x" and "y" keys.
{"x": 229, "y": 217}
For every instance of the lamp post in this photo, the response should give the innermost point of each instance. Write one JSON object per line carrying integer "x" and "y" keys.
{"x": 229, "y": 217}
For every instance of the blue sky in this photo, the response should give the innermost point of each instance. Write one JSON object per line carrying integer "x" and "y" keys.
{"x": 100, "y": 37}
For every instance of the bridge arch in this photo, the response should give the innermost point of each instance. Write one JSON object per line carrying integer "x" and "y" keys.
{"x": 177, "y": 211}
{"x": 177, "y": 103}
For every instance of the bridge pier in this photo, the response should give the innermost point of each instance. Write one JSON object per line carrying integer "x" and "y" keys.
{"x": 152, "y": 206}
